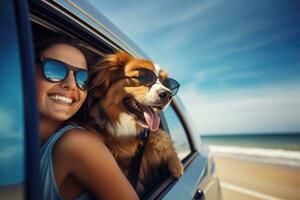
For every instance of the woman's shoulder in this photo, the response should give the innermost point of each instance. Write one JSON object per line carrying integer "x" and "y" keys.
{"x": 78, "y": 144}
{"x": 81, "y": 153}
{"x": 78, "y": 133}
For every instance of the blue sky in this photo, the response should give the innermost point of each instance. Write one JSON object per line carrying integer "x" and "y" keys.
{"x": 238, "y": 61}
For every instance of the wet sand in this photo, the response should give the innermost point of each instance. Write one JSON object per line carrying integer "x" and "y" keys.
{"x": 248, "y": 180}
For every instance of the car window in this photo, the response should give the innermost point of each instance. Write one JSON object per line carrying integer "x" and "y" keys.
{"x": 11, "y": 105}
{"x": 177, "y": 132}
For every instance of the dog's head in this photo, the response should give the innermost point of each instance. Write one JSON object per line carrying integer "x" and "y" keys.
{"x": 131, "y": 92}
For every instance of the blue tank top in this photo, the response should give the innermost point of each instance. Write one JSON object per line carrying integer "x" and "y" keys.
{"x": 49, "y": 187}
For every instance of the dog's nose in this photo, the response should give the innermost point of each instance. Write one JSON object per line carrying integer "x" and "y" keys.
{"x": 165, "y": 96}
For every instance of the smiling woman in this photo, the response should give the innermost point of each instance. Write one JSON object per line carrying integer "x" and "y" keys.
{"x": 62, "y": 74}
{"x": 59, "y": 97}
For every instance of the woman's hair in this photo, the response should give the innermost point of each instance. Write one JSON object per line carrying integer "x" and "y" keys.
{"x": 41, "y": 46}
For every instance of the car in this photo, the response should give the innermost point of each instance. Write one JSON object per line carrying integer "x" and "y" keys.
{"x": 23, "y": 24}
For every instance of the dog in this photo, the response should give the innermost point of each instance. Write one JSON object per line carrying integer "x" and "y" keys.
{"x": 125, "y": 100}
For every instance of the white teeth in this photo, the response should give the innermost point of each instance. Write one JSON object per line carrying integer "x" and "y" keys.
{"x": 136, "y": 106}
{"x": 62, "y": 99}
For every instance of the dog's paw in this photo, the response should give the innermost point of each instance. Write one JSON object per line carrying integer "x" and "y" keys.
{"x": 176, "y": 169}
{"x": 160, "y": 143}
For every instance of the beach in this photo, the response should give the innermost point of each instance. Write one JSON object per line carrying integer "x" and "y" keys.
{"x": 244, "y": 179}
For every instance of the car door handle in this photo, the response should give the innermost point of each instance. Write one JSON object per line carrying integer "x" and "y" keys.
{"x": 199, "y": 195}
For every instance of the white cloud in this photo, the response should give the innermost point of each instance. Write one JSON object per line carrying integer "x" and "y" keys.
{"x": 6, "y": 120}
{"x": 212, "y": 54}
{"x": 265, "y": 109}
{"x": 11, "y": 124}
{"x": 235, "y": 34}
{"x": 10, "y": 152}
{"x": 225, "y": 73}
{"x": 207, "y": 73}
{"x": 163, "y": 12}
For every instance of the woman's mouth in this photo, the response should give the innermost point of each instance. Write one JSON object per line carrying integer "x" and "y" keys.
{"x": 61, "y": 99}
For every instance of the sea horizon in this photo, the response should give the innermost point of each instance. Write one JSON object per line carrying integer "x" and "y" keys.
{"x": 273, "y": 148}
{"x": 203, "y": 134}
{"x": 284, "y": 141}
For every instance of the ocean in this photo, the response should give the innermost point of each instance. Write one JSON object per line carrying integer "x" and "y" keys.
{"x": 268, "y": 141}
{"x": 280, "y": 148}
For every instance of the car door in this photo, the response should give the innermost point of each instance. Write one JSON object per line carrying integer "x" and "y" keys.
{"x": 187, "y": 186}
{"x": 18, "y": 116}
{"x": 200, "y": 178}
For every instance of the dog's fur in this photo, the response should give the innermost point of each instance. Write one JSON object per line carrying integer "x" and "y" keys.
{"x": 118, "y": 127}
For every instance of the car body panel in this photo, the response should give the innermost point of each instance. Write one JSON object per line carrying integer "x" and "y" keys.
{"x": 100, "y": 23}
{"x": 189, "y": 182}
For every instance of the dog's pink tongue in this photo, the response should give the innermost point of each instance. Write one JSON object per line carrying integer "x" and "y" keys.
{"x": 152, "y": 119}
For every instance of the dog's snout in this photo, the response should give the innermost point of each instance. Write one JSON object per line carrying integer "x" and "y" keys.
{"x": 165, "y": 96}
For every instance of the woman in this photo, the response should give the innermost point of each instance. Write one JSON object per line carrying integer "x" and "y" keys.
{"x": 75, "y": 164}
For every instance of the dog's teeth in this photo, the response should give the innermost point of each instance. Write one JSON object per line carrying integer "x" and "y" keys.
{"x": 135, "y": 105}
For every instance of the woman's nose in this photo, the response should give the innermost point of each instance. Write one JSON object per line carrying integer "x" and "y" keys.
{"x": 69, "y": 82}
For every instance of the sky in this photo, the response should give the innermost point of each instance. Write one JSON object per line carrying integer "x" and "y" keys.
{"x": 238, "y": 61}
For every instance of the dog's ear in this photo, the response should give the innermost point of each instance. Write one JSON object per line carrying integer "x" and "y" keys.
{"x": 109, "y": 69}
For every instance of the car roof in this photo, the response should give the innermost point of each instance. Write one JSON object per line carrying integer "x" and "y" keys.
{"x": 95, "y": 19}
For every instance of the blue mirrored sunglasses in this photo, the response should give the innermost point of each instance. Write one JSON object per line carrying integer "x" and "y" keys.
{"x": 57, "y": 71}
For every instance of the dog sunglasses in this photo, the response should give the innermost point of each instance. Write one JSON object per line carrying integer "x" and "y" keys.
{"x": 57, "y": 71}
{"x": 148, "y": 78}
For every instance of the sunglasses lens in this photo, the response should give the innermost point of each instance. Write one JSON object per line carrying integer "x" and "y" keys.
{"x": 81, "y": 78}
{"x": 147, "y": 77}
{"x": 54, "y": 71}
{"x": 172, "y": 85}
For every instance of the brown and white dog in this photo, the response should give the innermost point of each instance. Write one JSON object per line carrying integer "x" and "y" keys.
{"x": 123, "y": 105}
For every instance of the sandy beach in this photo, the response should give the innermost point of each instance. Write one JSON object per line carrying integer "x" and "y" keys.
{"x": 248, "y": 180}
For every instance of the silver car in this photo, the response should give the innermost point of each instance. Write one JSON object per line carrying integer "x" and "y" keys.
{"x": 24, "y": 23}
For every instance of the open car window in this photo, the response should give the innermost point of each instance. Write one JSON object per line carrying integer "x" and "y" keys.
{"x": 177, "y": 132}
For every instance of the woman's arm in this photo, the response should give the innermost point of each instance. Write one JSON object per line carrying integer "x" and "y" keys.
{"x": 83, "y": 155}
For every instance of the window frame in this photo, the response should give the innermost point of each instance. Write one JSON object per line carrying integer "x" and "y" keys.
{"x": 177, "y": 112}
{"x": 184, "y": 122}
{"x": 58, "y": 19}
{"x": 31, "y": 146}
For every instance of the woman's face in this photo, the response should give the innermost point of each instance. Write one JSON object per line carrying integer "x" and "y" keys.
{"x": 54, "y": 98}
